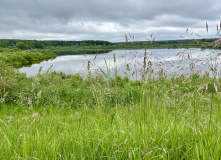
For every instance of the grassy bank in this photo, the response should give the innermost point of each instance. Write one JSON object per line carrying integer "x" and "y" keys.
{"x": 20, "y": 58}
{"x": 57, "y": 116}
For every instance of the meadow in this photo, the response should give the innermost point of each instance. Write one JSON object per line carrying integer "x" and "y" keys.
{"x": 56, "y": 116}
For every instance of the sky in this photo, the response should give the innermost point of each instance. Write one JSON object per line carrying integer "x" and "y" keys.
{"x": 108, "y": 20}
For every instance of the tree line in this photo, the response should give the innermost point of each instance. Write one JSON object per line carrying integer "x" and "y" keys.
{"x": 50, "y": 43}
{"x": 37, "y": 44}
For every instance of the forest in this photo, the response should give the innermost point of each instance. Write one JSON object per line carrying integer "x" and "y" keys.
{"x": 37, "y": 44}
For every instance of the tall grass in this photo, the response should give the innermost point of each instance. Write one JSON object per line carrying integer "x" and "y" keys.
{"x": 57, "y": 116}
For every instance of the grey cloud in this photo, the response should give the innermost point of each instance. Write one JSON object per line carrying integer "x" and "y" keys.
{"x": 104, "y": 18}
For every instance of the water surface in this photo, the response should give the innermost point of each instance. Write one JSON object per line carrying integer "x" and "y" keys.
{"x": 171, "y": 62}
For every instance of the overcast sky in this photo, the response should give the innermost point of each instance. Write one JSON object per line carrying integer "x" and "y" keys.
{"x": 107, "y": 19}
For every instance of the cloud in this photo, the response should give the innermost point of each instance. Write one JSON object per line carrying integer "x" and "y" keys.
{"x": 105, "y": 19}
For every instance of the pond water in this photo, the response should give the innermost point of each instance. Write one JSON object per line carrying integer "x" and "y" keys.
{"x": 134, "y": 63}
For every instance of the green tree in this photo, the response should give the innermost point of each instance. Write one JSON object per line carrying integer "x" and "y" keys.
{"x": 21, "y": 45}
{"x": 3, "y": 45}
{"x": 38, "y": 45}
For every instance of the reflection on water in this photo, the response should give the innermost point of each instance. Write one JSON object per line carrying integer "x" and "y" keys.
{"x": 83, "y": 52}
{"x": 133, "y": 63}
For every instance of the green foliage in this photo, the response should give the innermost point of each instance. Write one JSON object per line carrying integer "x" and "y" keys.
{"x": 3, "y": 45}
{"x": 45, "y": 44}
{"x": 21, "y": 46}
{"x": 37, "y": 45}
{"x": 116, "y": 118}
{"x": 18, "y": 58}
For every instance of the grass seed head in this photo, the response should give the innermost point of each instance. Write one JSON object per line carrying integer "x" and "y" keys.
{"x": 207, "y": 27}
